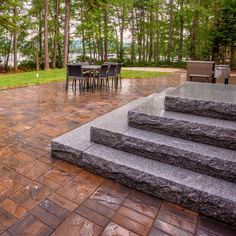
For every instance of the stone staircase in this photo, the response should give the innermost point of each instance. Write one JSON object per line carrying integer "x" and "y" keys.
{"x": 150, "y": 145}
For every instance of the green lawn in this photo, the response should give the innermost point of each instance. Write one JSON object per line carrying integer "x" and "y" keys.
{"x": 42, "y": 77}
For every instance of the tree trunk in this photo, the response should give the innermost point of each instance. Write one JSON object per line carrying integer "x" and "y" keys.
{"x": 105, "y": 33}
{"x": 55, "y": 49}
{"x": 40, "y": 36}
{"x": 132, "y": 36}
{"x": 122, "y": 34}
{"x": 46, "y": 55}
{"x": 15, "y": 38}
{"x": 37, "y": 60}
{"x": 83, "y": 44}
{"x": 171, "y": 31}
{"x": 8, "y": 53}
{"x": 193, "y": 35}
{"x": 181, "y": 32}
{"x": 66, "y": 32}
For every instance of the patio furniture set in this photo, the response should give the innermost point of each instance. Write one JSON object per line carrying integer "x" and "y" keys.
{"x": 207, "y": 71}
{"x": 87, "y": 76}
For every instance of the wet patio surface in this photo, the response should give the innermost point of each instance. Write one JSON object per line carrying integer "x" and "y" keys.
{"x": 43, "y": 196}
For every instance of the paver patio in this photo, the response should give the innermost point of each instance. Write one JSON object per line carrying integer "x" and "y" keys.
{"x": 43, "y": 196}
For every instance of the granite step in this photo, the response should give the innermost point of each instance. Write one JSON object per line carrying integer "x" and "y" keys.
{"x": 151, "y": 115}
{"x": 199, "y": 157}
{"x": 210, "y": 196}
{"x": 205, "y": 99}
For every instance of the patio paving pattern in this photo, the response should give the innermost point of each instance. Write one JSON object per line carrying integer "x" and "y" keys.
{"x": 43, "y": 196}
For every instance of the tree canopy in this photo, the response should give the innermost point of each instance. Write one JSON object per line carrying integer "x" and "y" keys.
{"x": 137, "y": 32}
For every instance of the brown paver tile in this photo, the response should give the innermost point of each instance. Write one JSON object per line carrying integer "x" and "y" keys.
{"x": 34, "y": 169}
{"x": 6, "y": 218}
{"x": 143, "y": 203}
{"x": 99, "y": 208}
{"x": 176, "y": 221}
{"x": 63, "y": 202}
{"x": 72, "y": 169}
{"x": 5, "y": 234}
{"x": 180, "y": 212}
{"x": 31, "y": 195}
{"x": 46, "y": 217}
{"x": 156, "y": 232}
{"x": 54, "y": 209}
{"x": 17, "y": 160}
{"x": 49, "y": 160}
{"x": 119, "y": 188}
{"x": 136, "y": 216}
{"x": 2, "y": 228}
{"x": 90, "y": 177}
{"x": 8, "y": 186}
{"x": 76, "y": 190}
{"x": 107, "y": 198}
{"x": 48, "y": 182}
{"x": 28, "y": 226}
{"x": 208, "y": 226}
{"x": 170, "y": 229}
{"x": 92, "y": 216}
{"x": 113, "y": 229}
{"x": 77, "y": 225}
{"x": 130, "y": 224}
{"x": 59, "y": 176}
{"x": 13, "y": 208}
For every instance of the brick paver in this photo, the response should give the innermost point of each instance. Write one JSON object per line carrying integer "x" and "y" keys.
{"x": 42, "y": 196}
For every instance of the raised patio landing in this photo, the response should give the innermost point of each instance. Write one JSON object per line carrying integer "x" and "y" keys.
{"x": 46, "y": 196}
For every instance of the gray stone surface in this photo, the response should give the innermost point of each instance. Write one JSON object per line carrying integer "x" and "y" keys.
{"x": 203, "y": 158}
{"x": 211, "y": 196}
{"x": 79, "y": 139}
{"x": 212, "y": 100}
{"x": 151, "y": 116}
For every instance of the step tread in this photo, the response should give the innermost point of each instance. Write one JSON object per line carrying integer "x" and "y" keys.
{"x": 155, "y": 107}
{"x": 217, "y": 93}
{"x": 79, "y": 138}
{"x": 217, "y": 187}
{"x": 191, "y": 146}
{"x": 162, "y": 139}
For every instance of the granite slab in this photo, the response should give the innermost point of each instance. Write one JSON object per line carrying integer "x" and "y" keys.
{"x": 151, "y": 115}
{"x": 199, "y": 157}
{"x": 79, "y": 139}
{"x": 210, "y": 196}
{"x": 205, "y": 99}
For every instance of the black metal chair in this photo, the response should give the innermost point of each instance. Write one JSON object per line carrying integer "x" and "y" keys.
{"x": 112, "y": 73}
{"x": 75, "y": 72}
{"x": 118, "y": 72}
{"x": 103, "y": 75}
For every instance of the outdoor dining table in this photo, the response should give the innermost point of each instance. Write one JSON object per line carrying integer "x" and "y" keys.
{"x": 86, "y": 68}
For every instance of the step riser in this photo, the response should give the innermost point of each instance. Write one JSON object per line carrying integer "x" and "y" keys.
{"x": 202, "y": 108}
{"x": 191, "y": 198}
{"x": 167, "y": 154}
{"x": 218, "y": 136}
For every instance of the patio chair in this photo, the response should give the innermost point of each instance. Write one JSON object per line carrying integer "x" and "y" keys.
{"x": 112, "y": 73}
{"x": 200, "y": 71}
{"x": 75, "y": 72}
{"x": 103, "y": 75}
{"x": 118, "y": 72}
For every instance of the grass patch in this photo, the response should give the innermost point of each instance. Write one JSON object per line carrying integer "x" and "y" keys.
{"x": 42, "y": 77}
{"x": 132, "y": 74}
